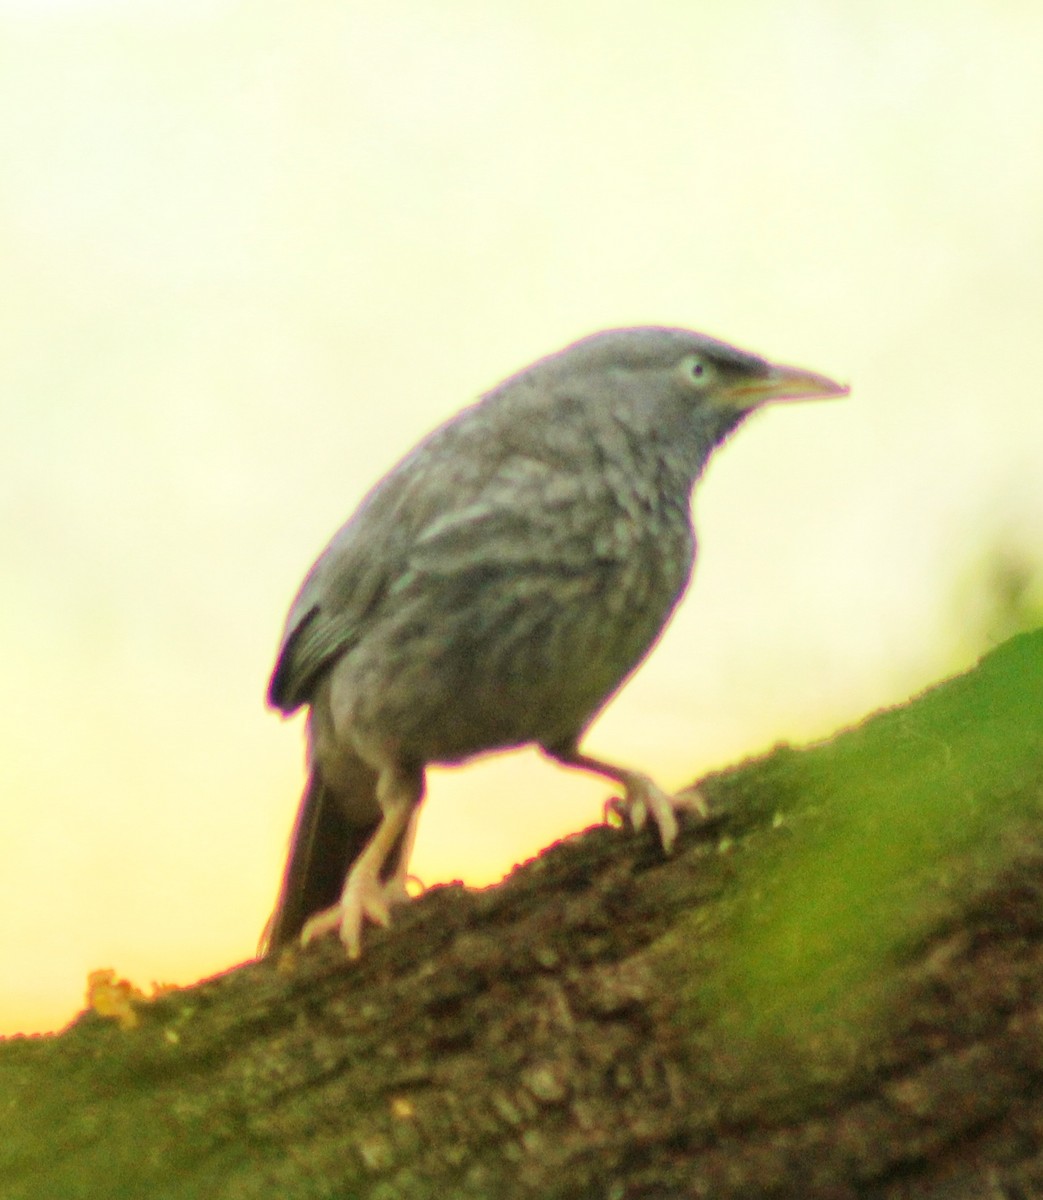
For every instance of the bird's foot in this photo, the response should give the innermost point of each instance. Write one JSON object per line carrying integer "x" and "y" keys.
{"x": 643, "y": 798}
{"x": 364, "y": 898}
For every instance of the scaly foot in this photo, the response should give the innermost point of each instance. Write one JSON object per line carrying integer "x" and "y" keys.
{"x": 362, "y": 900}
{"x": 642, "y": 797}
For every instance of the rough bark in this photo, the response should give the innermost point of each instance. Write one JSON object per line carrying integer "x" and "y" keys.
{"x": 833, "y": 989}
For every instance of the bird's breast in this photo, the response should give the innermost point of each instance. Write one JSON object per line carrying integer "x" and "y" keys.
{"x": 479, "y": 652}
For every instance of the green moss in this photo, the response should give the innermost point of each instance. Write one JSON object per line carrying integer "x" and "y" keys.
{"x": 876, "y": 837}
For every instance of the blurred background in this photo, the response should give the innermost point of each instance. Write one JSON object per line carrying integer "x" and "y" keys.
{"x": 252, "y": 252}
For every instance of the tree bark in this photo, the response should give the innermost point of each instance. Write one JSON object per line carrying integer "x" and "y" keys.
{"x": 834, "y": 988}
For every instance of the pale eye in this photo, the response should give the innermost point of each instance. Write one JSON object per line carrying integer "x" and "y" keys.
{"x": 696, "y": 370}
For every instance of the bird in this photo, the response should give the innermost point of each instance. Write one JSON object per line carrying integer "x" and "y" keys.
{"x": 495, "y": 589}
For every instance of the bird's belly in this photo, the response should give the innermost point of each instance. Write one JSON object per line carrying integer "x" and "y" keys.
{"x": 522, "y": 659}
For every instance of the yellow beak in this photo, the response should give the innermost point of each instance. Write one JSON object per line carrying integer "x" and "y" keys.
{"x": 783, "y": 383}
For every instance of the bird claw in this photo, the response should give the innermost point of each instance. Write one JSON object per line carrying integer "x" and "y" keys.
{"x": 320, "y": 924}
{"x": 643, "y": 798}
{"x": 619, "y": 811}
{"x": 363, "y": 899}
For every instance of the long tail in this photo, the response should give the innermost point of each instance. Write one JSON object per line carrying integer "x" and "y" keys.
{"x": 323, "y": 846}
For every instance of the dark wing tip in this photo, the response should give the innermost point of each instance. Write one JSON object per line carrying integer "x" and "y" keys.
{"x": 277, "y": 695}
{"x": 286, "y": 686}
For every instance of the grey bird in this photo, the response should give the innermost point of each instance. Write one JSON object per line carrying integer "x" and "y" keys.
{"x": 495, "y": 589}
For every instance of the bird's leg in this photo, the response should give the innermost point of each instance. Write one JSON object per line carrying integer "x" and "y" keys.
{"x": 365, "y": 894}
{"x": 641, "y": 796}
{"x": 395, "y": 890}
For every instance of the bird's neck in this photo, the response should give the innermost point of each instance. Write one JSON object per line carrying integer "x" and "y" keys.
{"x": 683, "y": 446}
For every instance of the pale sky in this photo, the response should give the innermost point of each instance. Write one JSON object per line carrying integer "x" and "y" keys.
{"x": 252, "y": 253}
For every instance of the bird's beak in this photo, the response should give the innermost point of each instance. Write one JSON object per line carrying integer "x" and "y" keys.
{"x": 783, "y": 383}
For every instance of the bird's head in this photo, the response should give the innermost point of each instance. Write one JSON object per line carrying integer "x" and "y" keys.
{"x": 680, "y": 391}
{"x": 691, "y": 366}
{"x": 730, "y": 379}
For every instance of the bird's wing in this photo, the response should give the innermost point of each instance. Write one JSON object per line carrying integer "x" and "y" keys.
{"x": 527, "y": 513}
{"x": 369, "y": 554}
{"x": 450, "y": 506}
{"x": 311, "y": 642}
{"x": 348, "y": 580}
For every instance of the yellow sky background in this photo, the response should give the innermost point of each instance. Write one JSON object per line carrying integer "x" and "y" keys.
{"x": 252, "y": 252}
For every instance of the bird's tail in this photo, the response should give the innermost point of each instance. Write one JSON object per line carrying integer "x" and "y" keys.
{"x": 323, "y": 846}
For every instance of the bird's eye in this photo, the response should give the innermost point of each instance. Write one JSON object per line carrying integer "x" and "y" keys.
{"x": 696, "y": 370}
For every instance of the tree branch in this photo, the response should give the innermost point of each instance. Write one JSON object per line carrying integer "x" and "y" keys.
{"x": 833, "y": 989}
